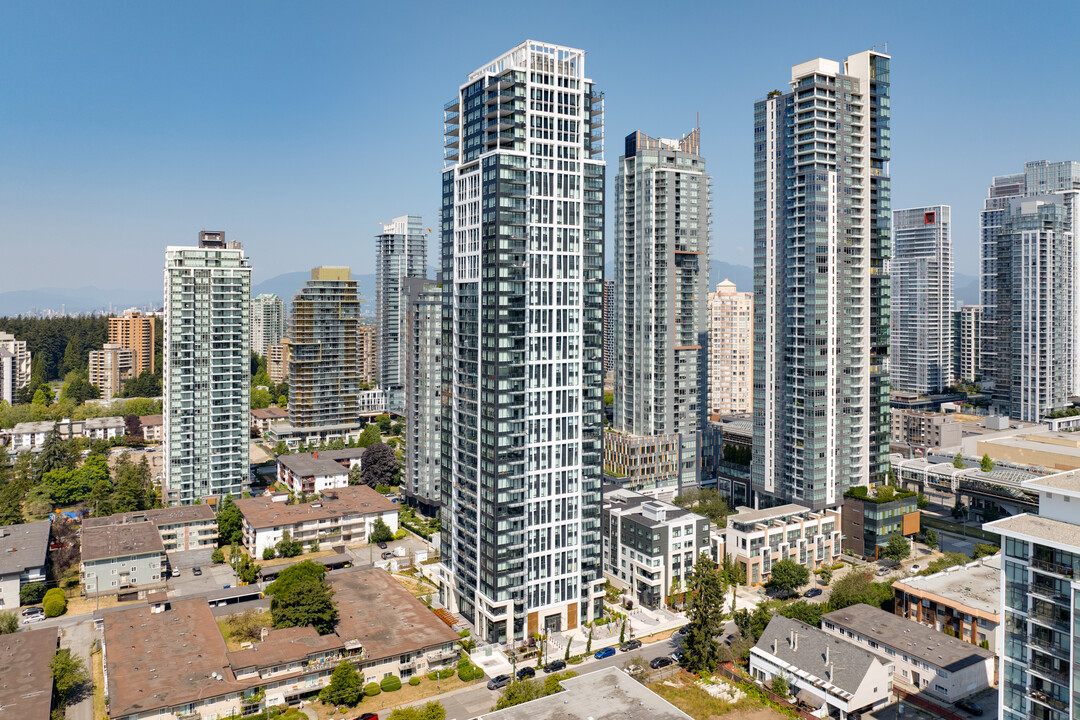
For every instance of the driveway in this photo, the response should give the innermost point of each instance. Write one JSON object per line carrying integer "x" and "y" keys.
{"x": 214, "y": 577}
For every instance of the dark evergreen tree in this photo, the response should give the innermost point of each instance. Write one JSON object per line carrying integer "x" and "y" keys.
{"x": 705, "y": 612}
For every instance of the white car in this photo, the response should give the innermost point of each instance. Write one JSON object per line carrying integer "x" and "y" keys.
{"x": 32, "y": 615}
{"x": 176, "y": 572}
{"x": 913, "y": 569}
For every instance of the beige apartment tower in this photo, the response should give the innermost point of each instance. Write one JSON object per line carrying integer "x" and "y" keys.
{"x": 731, "y": 350}
{"x": 365, "y": 354}
{"x": 135, "y": 331}
{"x": 110, "y": 367}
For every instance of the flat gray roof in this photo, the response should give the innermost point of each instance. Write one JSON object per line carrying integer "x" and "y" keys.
{"x": 1042, "y": 528}
{"x": 608, "y": 694}
{"x": 976, "y": 585}
{"x": 307, "y": 465}
{"x": 159, "y": 516}
{"x": 915, "y": 640}
{"x": 113, "y": 541}
{"x": 23, "y": 546}
{"x": 1068, "y": 481}
{"x": 756, "y": 516}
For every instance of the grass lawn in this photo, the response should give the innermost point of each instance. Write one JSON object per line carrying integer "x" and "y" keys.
{"x": 662, "y": 635}
{"x": 227, "y": 627}
{"x": 301, "y": 556}
{"x": 390, "y": 700}
{"x": 78, "y": 604}
{"x": 414, "y": 586}
{"x": 682, "y": 692}
{"x": 98, "y": 675}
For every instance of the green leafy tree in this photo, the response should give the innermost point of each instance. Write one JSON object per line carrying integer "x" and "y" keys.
{"x": 11, "y": 504}
{"x": 77, "y": 388}
{"x": 986, "y": 464}
{"x": 31, "y": 593}
{"x": 984, "y": 549}
{"x": 268, "y": 553}
{"x": 261, "y": 398}
{"x": 8, "y": 623}
{"x": 54, "y": 603}
{"x": 380, "y": 466}
{"x": 69, "y": 675}
{"x": 788, "y": 575}
{"x": 752, "y": 624}
{"x": 780, "y": 686}
{"x": 370, "y": 436}
{"x": 707, "y": 502}
{"x": 826, "y": 575}
{"x": 958, "y": 461}
{"x": 807, "y": 612}
{"x": 356, "y": 475}
{"x": 56, "y": 453}
{"x": 218, "y": 556}
{"x": 287, "y": 547}
{"x": 930, "y": 537}
{"x": 65, "y": 487}
{"x": 522, "y": 691}
{"x": 705, "y": 613}
{"x": 897, "y": 548}
{"x": 245, "y": 568}
{"x": 230, "y": 522}
{"x": 346, "y": 686}
{"x": 922, "y": 501}
{"x": 944, "y": 562}
{"x": 301, "y": 596}
{"x": 380, "y": 532}
{"x": 43, "y": 396}
{"x": 145, "y": 385}
{"x": 990, "y": 513}
{"x": 431, "y": 710}
{"x": 858, "y": 587}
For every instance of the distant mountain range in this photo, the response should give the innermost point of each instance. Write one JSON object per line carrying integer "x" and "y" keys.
{"x": 92, "y": 299}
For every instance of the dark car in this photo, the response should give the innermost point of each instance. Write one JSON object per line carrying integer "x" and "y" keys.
{"x": 970, "y": 706}
{"x": 678, "y": 656}
{"x": 499, "y": 681}
{"x": 812, "y": 592}
{"x": 196, "y": 571}
{"x": 729, "y": 639}
{"x": 382, "y": 545}
{"x": 659, "y": 662}
{"x": 555, "y": 666}
{"x": 630, "y": 645}
{"x": 604, "y": 653}
{"x": 684, "y": 629}
{"x": 526, "y": 672}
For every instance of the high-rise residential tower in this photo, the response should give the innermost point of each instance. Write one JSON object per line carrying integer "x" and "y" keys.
{"x": 365, "y": 355}
{"x": 400, "y": 252}
{"x": 921, "y": 342}
{"x": 267, "y": 322}
{"x": 1029, "y": 286}
{"x": 522, "y": 226}
{"x": 731, "y": 350}
{"x": 207, "y": 369}
{"x": 15, "y": 367}
{"x": 135, "y": 332}
{"x": 967, "y": 353}
{"x": 609, "y": 326}
{"x": 110, "y": 367}
{"x": 324, "y": 384}
{"x": 661, "y": 283}
{"x": 423, "y": 394}
{"x": 822, "y": 216}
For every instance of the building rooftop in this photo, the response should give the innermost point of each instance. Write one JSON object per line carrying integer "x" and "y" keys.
{"x": 270, "y": 413}
{"x": 1067, "y": 482}
{"x": 630, "y": 503}
{"x": 160, "y": 660}
{"x": 804, "y": 647}
{"x": 308, "y": 465}
{"x": 282, "y": 646}
{"x": 111, "y": 541}
{"x": 1040, "y": 528}
{"x": 915, "y": 640}
{"x": 159, "y": 517}
{"x": 608, "y": 694}
{"x": 263, "y": 512}
{"x": 151, "y": 420}
{"x": 376, "y": 611}
{"x": 104, "y": 422}
{"x": 23, "y": 546}
{"x": 343, "y": 454}
{"x": 975, "y": 586}
{"x": 748, "y": 516}
{"x": 26, "y": 683}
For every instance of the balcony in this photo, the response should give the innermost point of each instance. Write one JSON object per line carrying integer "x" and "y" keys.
{"x": 1050, "y": 673}
{"x": 1045, "y": 644}
{"x": 1052, "y": 567}
{"x": 1046, "y": 699}
{"x": 1050, "y": 593}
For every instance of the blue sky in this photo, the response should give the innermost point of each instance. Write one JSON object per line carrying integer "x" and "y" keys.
{"x": 297, "y": 127}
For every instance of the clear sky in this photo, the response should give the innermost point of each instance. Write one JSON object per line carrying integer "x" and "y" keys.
{"x": 297, "y": 126}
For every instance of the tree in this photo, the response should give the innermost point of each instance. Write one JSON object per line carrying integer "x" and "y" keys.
{"x": 268, "y": 553}
{"x": 55, "y": 603}
{"x": 356, "y": 475}
{"x": 780, "y": 685}
{"x": 380, "y": 465}
{"x": 133, "y": 425}
{"x": 43, "y": 396}
{"x": 930, "y": 537}
{"x": 65, "y": 487}
{"x": 897, "y": 548}
{"x": 345, "y": 688}
{"x": 922, "y": 501}
{"x": 986, "y": 464}
{"x": 301, "y": 596}
{"x": 958, "y": 461}
{"x": 858, "y": 587}
{"x": 218, "y": 556}
{"x": 370, "y": 436}
{"x": 522, "y": 691}
{"x": 788, "y": 575}
{"x": 230, "y": 522}
{"x": 245, "y": 568}
{"x": 11, "y": 504}
{"x": 705, "y": 612}
{"x": 55, "y": 453}
{"x": 984, "y": 549}
{"x": 287, "y": 547}
{"x": 380, "y": 532}
{"x": 147, "y": 385}
{"x": 807, "y": 612}
{"x": 8, "y": 623}
{"x": 431, "y": 710}
{"x": 77, "y": 388}
{"x": 69, "y": 674}
{"x": 31, "y": 593}
{"x": 826, "y": 575}
{"x": 707, "y": 502}
{"x": 261, "y": 398}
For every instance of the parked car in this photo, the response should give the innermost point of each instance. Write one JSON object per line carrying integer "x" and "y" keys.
{"x": 604, "y": 653}
{"x": 914, "y": 569}
{"x": 382, "y": 545}
{"x": 555, "y": 666}
{"x": 678, "y": 656}
{"x": 32, "y": 615}
{"x": 659, "y": 662}
{"x": 526, "y": 672}
{"x": 499, "y": 681}
{"x": 369, "y": 716}
{"x": 684, "y": 629}
{"x": 176, "y": 572}
{"x": 884, "y": 571}
{"x": 630, "y": 645}
{"x": 387, "y": 555}
{"x": 196, "y": 570}
{"x": 812, "y": 592}
{"x": 634, "y": 669}
{"x": 729, "y": 639}
{"x": 970, "y": 706}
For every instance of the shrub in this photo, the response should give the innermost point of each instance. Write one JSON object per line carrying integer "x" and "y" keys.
{"x": 575, "y": 659}
{"x": 466, "y": 671}
{"x": 400, "y": 534}
{"x": 31, "y": 593}
{"x": 414, "y": 681}
{"x": 372, "y": 689}
{"x": 389, "y": 684}
{"x": 218, "y": 556}
{"x": 55, "y": 603}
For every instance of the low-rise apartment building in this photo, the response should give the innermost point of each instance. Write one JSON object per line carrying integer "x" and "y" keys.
{"x": 929, "y": 661}
{"x": 343, "y": 515}
{"x": 836, "y": 678}
{"x": 921, "y": 429}
{"x": 309, "y": 473}
{"x": 169, "y": 660}
{"x": 963, "y": 600}
{"x": 871, "y": 518}
{"x": 26, "y": 691}
{"x": 758, "y": 538}
{"x": 152, "y": 428}
{"x": 261, "y": 418}
{"x": 183, "y": 527}
{"x": 31, "y": 435}
{"x": 121, "y": 559}
{"x": 649, "y": 546}
{"x": 24, "y": 556}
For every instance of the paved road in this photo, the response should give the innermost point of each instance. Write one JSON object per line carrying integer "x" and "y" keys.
{"x": 78, "y": 635}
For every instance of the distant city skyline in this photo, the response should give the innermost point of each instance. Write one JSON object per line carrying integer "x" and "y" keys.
{"x": 117, "y": 117}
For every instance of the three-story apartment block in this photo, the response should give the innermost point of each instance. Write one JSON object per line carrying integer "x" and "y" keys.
{"x": 759, "y": 538}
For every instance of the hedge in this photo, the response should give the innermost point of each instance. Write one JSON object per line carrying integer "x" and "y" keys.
{"x": 390, "y": 684}
{"x": 414, "y": 681}
{"x": 55, "y": 603}
{"x": 466, "y": 672}
{"x": 441, "y": 674}
{"x": 372, "y": 689}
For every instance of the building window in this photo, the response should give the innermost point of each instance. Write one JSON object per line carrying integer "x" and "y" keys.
{"x": 941, "y": 689}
